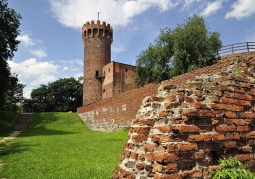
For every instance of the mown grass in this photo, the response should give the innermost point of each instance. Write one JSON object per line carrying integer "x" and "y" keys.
{"x": 6, "y": 122}
{"x": 59, "y": 145}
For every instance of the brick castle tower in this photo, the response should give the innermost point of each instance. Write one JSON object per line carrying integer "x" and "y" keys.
{"x": 97, "y": 40}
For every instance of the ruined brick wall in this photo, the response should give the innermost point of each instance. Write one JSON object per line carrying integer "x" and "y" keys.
{"x": 194, "y": 120}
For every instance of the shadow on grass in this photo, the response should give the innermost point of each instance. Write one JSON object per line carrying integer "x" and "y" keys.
{"x": 39, "y": 131}
{"x": 48, "y": 123}
{"x": 6, "y": 122}
{"x": 8, "y": 148}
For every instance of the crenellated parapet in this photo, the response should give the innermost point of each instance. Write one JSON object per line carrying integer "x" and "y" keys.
{"x": 92, "y": 29}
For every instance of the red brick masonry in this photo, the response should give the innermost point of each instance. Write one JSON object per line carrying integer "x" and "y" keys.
{"x": 194, "y": 120}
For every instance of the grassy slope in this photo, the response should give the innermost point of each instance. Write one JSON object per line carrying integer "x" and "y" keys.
{"x": 6, "y": 122}
{"x": 59, "y": 145}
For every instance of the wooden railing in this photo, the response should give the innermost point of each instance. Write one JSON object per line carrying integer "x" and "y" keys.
{"x": 237, "y": 48}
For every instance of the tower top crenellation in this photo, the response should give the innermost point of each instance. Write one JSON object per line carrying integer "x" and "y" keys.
{"x": 92, "y": 25}
{"x": 92, "y": 29}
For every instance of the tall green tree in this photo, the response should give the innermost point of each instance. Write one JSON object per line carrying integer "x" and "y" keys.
{"x": 9, "y": 24}
{"x": 64, "y": 94}
{"x": 187, "y": 47}
{"x": 14, "y": 96}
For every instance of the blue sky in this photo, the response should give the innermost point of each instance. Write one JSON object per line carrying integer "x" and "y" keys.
{"x": 50, "y": 33}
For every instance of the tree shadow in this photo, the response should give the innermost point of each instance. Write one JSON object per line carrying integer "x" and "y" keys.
{"x": 12, "y": 147}
{"x": 39, "y": 124}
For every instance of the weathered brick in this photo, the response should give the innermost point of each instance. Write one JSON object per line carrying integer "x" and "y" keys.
{"x": 139, "y": 138}
{"x": 243, "y": 157}
{"x": 162, "y": 113}
{"x": 172, "y": 167}
{"x": 246, "y": 149}
{"x": 224, "y": 128}
{"x": 189, "y": 99}
{"x": 199, "y": 113}
{"x": 168, "y": 176}
{"x": 171, "y": 98}
{"x": 227, "y": 100}
{"x": 214, "y": 121}
{"x": 230, "y": 114}
{"x": 164, "y": 139}
{"x": 140, "y": 166}
{"x": 161, "y": 149}
{"x": 149, "y": 157}
{"x": 188, "y": 128}
{"x": 243, "y": 96}
{"x": 171, "y": 105}
{"x": 243, "y": 128}
{"x": 141, "y": 122}
{"x": 218, "y": 137}
{"x": 163, "y": 157}
{"x": 155, "y": 98}
{"x": 126, "y": 153}
{"x": 199, "y": 155}
{"x": 140, "y": 130}
{"x": 229, "y": 144}
{"x": 234, "y": 108}
{"x": 187, "y": 147}
{"x": 242, "y": 102}
{"x": 196, "y": 174}
{"x": 217, "y": 106}
{"x": 243, "y": 115}
{"x": 199, "y": 105}
{"x": 164, "y": 129}
{"x": 251, "y": 135}
{"x": 231, "y": 136}
{"x": 134, "y": 155}
{"x": 241, "y": 122}
{"x": 149, "y": 147}
{"x": 171, "y": 148}
{"x": 213, "y": 168}
{"x": 207, "y": 137}
{"x": 196, "y": 138}
{"x": 157, "y": 167}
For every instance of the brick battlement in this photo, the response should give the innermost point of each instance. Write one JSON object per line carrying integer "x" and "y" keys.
{"x": 92, "y": 29}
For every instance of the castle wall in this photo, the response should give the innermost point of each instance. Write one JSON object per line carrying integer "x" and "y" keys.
{"x": 194, "y": 120}
{"x": 116, "y": 112}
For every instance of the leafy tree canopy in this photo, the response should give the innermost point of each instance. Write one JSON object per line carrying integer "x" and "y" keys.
{"x": 9, "y": 24}
{"x": 13, "y": 98}
{"x": 65, "y": 94}
{"x": 187, "y": 47}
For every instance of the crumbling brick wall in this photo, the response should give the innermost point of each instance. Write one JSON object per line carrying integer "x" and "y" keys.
{"x": 192, "y": 122}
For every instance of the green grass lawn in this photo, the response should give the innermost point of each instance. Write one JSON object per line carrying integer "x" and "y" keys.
{"x": 6, "y": 122}
{"x": 60, "y": 146}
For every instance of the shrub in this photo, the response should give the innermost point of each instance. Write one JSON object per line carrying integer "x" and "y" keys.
{"x": 232, "y": 169}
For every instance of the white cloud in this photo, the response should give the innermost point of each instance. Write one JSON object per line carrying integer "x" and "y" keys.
{"x": 43, "y": 79}
{"x": 212, "y": 8}
{"x": 241, "y": 9}
{"x": 188, "y": 3}
{"x": 32, "y": 68}
{"x": 74, "y": 13}
{"x": 118, "y": 49}
{"x": 65, "y": 68}
{"x": 33, "y": 73}
{"x": 26, "y": 40}
{"x": 38, "y": 53}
